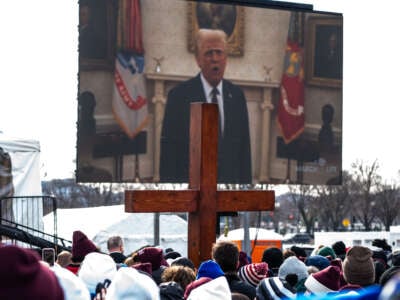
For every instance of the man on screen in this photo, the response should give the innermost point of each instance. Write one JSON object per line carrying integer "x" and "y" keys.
{"x": 234, "y": 161}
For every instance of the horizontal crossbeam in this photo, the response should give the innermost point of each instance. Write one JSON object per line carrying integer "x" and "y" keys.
{"x": 187, "y": 201}
{"x": 161, "y": 201}
{"x": 245, "y": 200}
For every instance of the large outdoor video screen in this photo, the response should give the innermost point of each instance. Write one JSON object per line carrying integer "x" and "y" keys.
{"x": 275, "y": 72}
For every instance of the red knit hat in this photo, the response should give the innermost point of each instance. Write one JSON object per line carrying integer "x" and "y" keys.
{"x": 324, "y": 281}
{"x": 23, "y": 276}
{"x": 195, "y": 284}
{"x": 253, "y": 273}
{"x": 144, "y": 267}
{"x": 152, "y": 255}
{"x": 81, "y": 246}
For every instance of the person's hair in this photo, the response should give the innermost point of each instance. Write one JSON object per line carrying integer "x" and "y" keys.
{"x": 180, "y": 274}
{"x": 129, "y": 261}
{"x": 226, "y": 254}
{"x": 273, "y": 257}
{"x": 287, "y": 253}
{"x": 204, "y": 34}
{"x": 312, "y": 269}
{"x": 64, "y": 258}
{"x": 114, "y": 242}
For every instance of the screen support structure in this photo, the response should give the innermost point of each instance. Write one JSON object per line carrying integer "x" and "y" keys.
{"x": 202, "y": 200}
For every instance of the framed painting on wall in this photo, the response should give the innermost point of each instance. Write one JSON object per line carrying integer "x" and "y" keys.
{"x": 227, "y": 17}
{"x": 324, "y": 48}
{"x": 96, "y": 35}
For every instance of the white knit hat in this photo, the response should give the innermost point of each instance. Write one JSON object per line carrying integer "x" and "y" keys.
{"x": 95, "y": 268}
{"x": 74, "y": 288}
{"x": 293, "y": 265}
{"x": 216, "y": 289}
{"x": 129, "y": 283}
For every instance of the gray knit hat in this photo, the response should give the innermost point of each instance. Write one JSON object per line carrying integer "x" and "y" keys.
{"x": 293, "y": 265}
{"x": 358, "y": 266}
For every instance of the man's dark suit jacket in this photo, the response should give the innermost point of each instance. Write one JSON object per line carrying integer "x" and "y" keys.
{"x": 234, "y": 159}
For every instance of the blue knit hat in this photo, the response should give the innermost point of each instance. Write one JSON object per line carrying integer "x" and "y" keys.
{"x": 210, "y": 269}
{"x": 319, "y": 261}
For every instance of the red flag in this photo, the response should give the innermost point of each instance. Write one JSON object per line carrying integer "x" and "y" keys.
{"x": 129, "y": 100}
{"x": 291, "y": 102}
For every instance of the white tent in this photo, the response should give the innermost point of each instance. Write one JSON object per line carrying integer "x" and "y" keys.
{"x": 260, "y": 233}
{"x": 25, "y": 159}
{"x": 137, "y": 229}
{"x": 25, "y": 176}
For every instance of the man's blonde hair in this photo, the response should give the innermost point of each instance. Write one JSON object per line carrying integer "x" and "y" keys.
{"x": 213, "y": 34}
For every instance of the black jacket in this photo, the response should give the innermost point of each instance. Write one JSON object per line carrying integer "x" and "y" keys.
{"x": 238, "y": 286}
{"x": 234, "y": 157}
{"x": 118, "y": 257}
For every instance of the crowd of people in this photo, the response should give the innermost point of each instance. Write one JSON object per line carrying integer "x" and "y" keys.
{"x": 85, "y": 273}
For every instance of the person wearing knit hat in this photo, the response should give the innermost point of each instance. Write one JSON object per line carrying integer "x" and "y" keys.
{"x": 339, "y": 263}
{"x": 327, "y": 252}
{"x": 216, "y": 289}
{"x": 274, "y": 288}
{"x": 81, "y": 246}
{"x": 274, "y": 258}
{"x": 96, "y": 268}
{"x": 24, "y": 276}
{"x": 253, "y": 273}
{"x": 319, "y": 261}
{"x": 325, "y": 281}
{"x": 293, "y": 266}
{"x": 129, "y": 283}
{"x": 209, "y": 269}
{"x": 358, "y": 266}
{"x": 74, "y": 288}
{"x": 195, "y": 284}
{"x": 143, "y": 267}
{"x": 153, "y": 255}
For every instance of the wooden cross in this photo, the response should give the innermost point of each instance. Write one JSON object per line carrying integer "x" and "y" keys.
{"x": 202, "y": 200}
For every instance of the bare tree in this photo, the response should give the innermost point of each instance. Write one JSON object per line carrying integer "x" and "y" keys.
{"x": 334, "y": 203}
{"x": 303, "y": 199}
{"x": 366, "y": 179}
{"x": 388, "y": 204}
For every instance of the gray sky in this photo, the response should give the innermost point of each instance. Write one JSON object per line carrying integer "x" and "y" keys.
{"x": 39, "y": 68}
